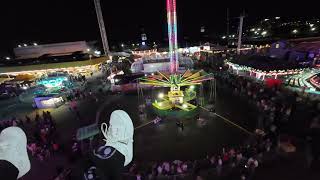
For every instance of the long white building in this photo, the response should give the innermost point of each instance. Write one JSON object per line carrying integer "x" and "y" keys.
{"x": 56, "y": 49}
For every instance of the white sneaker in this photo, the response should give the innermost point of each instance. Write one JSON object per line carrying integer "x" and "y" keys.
{"x": 119, "y": 134}
{"x": 13, "y": 148}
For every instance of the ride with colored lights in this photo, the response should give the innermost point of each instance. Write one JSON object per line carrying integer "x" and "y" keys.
{"x": 176, "y": 97}
{"x": 53, "y": 85}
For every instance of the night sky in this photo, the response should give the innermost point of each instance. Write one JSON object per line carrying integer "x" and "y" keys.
{"x": 71, "y": 20}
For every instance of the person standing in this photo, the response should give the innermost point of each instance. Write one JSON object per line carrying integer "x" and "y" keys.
{"x": 219, "y": 166}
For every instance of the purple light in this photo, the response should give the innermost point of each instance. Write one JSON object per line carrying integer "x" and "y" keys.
{"x": 172, "y": 35}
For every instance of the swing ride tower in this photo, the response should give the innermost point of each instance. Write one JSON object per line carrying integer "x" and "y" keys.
{"x": 182, "y": 85}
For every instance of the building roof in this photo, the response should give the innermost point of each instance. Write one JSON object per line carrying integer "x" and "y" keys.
{"x": 52, "y": 65}
{"x": 308, "y": 39}
{"x": 311, "y": 44}
{"x": 308, "y": 47}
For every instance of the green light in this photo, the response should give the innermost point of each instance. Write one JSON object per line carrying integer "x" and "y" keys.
{"x": 52, "y": 82}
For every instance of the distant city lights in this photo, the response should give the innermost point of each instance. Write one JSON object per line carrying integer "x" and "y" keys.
{"x": 19, "y": 45}
{"x": 264, "y": 33}
{"x": 266, "y": 19}
{"x": 8, "y": 58}
{"x": 295, "y": 31}
{"x": 25, "y": 45}
{"x": 223, "y": 37}
{"x": 313, "y": 29}
{"x": 35, "y": 44}
{"x": 277, "y": 17}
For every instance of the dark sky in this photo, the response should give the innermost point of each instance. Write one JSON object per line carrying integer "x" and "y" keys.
{"x": 71, "y": 20}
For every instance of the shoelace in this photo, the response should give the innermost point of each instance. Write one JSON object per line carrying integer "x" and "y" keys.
{"x": 114, "y": 137}
{"x": 104, "y": 130}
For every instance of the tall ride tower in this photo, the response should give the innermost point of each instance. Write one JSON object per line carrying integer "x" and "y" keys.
{"x": 102, "y": 28}
{"x": 172, "y": 35}
{"x": 240, "y": 34}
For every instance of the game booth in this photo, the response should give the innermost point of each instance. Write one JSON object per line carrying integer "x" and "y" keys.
{"x": 48, "y": 101}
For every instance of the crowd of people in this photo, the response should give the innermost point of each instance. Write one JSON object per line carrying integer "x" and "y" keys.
{"x": 241, "y": 160}
{"x": 14, "y": 121}
{"x": 42, "y": 140}
{"x": 276, "y": 107}
{"x": 152, "y": 170}
{"x": 41, "y": 134}
{"x": 289, "y": 114}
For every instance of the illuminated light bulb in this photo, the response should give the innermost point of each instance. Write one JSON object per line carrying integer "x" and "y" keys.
{"x": 161, "y": 95}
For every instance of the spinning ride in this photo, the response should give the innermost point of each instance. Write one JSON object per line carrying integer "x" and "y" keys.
{"x": 182, "y": 89}
{"x": 51, "y": 90}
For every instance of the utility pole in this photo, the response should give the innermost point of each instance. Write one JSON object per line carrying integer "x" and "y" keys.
{"x": 240, "y": 34}
{"x": 102, "y": 28}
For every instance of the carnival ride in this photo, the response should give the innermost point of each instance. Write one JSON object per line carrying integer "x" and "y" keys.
{"x": 182, "y": 85}
{"x": 315, "y": 81}
{"x": 54, "y": 83}
{"x": 304, "y": 80}
{"x": 51, "y": 89}
{"x": 182, "y": 89}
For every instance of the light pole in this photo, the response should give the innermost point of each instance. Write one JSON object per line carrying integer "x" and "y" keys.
{"x": 240, "y": 34}
{"x": 102, "y": 28}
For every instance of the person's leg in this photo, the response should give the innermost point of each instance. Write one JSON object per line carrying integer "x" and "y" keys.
{"x": 109, "y": 162}
{"x": 117, "y": 164}
{"x": 8, "y": 171}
